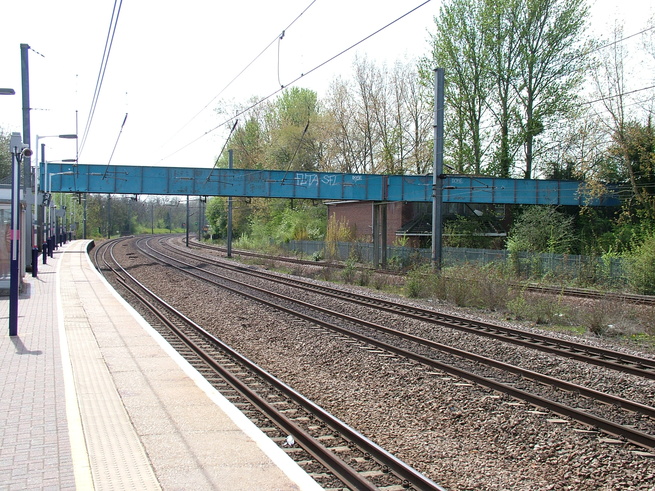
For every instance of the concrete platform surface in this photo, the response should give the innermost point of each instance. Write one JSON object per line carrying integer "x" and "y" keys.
{"x": 91, "y": 397}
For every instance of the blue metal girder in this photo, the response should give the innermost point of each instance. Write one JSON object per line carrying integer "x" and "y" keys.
{"x": 180, "y": 181}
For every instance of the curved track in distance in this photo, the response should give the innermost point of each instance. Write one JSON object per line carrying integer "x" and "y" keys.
{"x": 349, "y": 456}
{"x": 623, "y": 362}
{"x": 619, "y": 424}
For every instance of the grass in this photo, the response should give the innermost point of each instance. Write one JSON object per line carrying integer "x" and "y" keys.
{"x": 490, "y": 290}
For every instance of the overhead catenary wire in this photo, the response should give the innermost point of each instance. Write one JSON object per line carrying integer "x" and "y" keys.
{"x": 276, "y": 38}
{"x": 234, "y": 127}
{"x": 614, "y": 96}
{"x": 294, "y": 81}
{"x": 103, "y": 68}
{"x": 104, "y": 176}
{"x": 617, "y": 41}
{"x": 293, "y": 157}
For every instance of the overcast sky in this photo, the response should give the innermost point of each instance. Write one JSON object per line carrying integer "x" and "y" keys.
{"x": 170, "y": 60}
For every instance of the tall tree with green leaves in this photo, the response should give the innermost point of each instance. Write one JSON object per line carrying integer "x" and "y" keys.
{"x": 250, "y": 140}
{"x": 499, "y": 20}
{"x": 551, "y": 69}
{"x": 460, "y": 47}
{"x": 292, "y": 123}
{"x": 513, "y": 67}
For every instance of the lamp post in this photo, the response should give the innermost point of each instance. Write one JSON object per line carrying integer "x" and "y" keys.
{"x": 65, "y": 173}
{"x": 18, "y": 152}
{"x": 13, "y": 251}
{"x": 69, "y": 136}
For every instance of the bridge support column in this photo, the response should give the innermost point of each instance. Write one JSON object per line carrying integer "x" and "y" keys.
{"x": 380, "y": 235}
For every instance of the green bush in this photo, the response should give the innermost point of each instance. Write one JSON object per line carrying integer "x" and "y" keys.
{"x": 364, "y": 277}
{"x": 641, "y": 267}
{"x": 348, "y": 273}
{"x": 413, "y": 286}
{"x": 542, "y": 229}
{"x": 422, "y": 282}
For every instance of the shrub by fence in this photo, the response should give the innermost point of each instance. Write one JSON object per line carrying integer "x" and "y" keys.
{"x": 583, "y": 270}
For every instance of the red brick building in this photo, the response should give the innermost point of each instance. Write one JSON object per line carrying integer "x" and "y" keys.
{"x": 410, "y": 222}
{"x": 404, "y": 219}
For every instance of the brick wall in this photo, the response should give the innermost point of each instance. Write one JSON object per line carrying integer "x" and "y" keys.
{"x": 359, "y": 215}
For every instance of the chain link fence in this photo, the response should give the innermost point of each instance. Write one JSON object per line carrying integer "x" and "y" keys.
{"x": 583, "y": 270}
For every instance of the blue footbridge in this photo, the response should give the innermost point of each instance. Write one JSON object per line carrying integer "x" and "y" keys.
{"x": 181, "y": 181}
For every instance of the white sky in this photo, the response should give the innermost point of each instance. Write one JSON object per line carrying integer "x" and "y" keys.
{"x": 170, "y": 59}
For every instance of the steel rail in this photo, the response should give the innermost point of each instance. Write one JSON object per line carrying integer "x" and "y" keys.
{"x": 588, "y": 293}
{"x": 635, "y": 436}
{"x": 615, "y": 360}
{"x": 529, "y": 374}
{"x": 343, "y": 471}
{"x": 551, "y": 290}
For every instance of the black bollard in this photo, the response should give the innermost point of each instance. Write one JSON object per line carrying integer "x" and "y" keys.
{"x": 44, "y": 248}
{"x": 35, "y": 261}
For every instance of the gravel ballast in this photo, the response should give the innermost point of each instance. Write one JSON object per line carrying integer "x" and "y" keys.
{"x": 458, "y": 434}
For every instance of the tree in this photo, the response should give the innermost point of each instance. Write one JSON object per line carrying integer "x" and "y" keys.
{"x": 345, "y": 145}
{"x": 292, "y": 123}
{"x": 579, "y": 154}
{"x": 628, "y": 125}
{"x": 551, "y": 65}
{"x": 414, "y": 119}
{"x": 5, "y": 154}
{"x": 251, "y": 138}
{"x": 634, "y": 151}
{"x": 249, "y": 144}
{"x": 541, "y": 229}
{"x": 216, "y": 214}
{"x": 499, "y": 20}
{"x": 641, "y": 267}
{"x": 459, "y": 46}
{"x": 512, "y": 67}
{"x": 380, "y": 121}
{"x": 366, "y": 85}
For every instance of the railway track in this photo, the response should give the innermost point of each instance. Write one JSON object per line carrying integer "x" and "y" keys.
{"x": 623, "y": 362}
{"x": 549, "y": 290}
{"x": 333, "y": 453}
{"x": 422, "y": 351}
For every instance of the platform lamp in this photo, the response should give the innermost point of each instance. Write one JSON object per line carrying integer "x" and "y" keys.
{"x": 13, "y": 271}
{"x": 65, "y": 173}
{"x": 18, "y": 152}
{"x": 38, "y": 240}
{"x": 48, "y": 200}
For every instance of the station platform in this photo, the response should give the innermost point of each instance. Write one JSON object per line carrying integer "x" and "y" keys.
{"x": 91, "y": 397}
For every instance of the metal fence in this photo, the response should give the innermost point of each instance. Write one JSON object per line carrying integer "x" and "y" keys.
{"x": 610, "y": 271}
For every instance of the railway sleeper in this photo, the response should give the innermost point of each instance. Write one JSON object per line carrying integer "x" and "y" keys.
{"x": 340, "y": 449}
{"x": 323, "y": 438}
